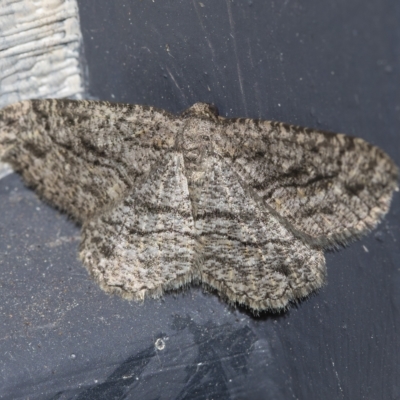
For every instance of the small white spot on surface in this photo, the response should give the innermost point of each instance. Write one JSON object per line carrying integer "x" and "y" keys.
{"x": 159, "y": 344}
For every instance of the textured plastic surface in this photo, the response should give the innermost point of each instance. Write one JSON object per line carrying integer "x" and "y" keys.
{"x": 40, "y": 50}
{"x": 330, "y": 65}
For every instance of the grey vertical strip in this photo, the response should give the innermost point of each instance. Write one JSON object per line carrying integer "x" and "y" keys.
{"x": 39, "y": 50}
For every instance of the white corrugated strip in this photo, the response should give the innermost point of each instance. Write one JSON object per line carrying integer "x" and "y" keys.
{"x": 40, "y": 44}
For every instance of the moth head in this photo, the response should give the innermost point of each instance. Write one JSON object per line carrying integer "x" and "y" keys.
{"x": 201, "y": 110}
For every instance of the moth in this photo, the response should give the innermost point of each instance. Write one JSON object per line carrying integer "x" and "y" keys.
{"x": 243, "y": 206}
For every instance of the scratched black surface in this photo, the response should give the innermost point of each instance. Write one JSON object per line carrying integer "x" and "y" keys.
{"x": 331, "y": 65}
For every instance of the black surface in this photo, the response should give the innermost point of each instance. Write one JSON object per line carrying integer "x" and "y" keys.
{"x": 330, "y": 65}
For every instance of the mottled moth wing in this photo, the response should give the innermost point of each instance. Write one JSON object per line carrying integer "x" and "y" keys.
{"x": 329, "y": 187}
{"x": 83, "y": 156}
{"x": 244, "y": 251}
{"x": 244, "y": 206}
{"x": 153, "y": 241}
{"x": 147, "y": 243}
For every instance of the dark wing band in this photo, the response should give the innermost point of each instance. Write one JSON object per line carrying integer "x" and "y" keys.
{"x": 83, "y": 156}
{"x": 329, "y": 187}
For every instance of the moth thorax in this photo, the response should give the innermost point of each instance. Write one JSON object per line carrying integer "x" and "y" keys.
{"x": 197, "y": 136}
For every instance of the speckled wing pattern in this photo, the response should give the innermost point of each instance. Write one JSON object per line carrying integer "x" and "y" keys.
{"x": 83, "y": 156}
{"x": 330, "y": 188}
{"x": 146, "y": 244}
{"x": 245, "y": 252}
{"x": 244, "y": 206}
